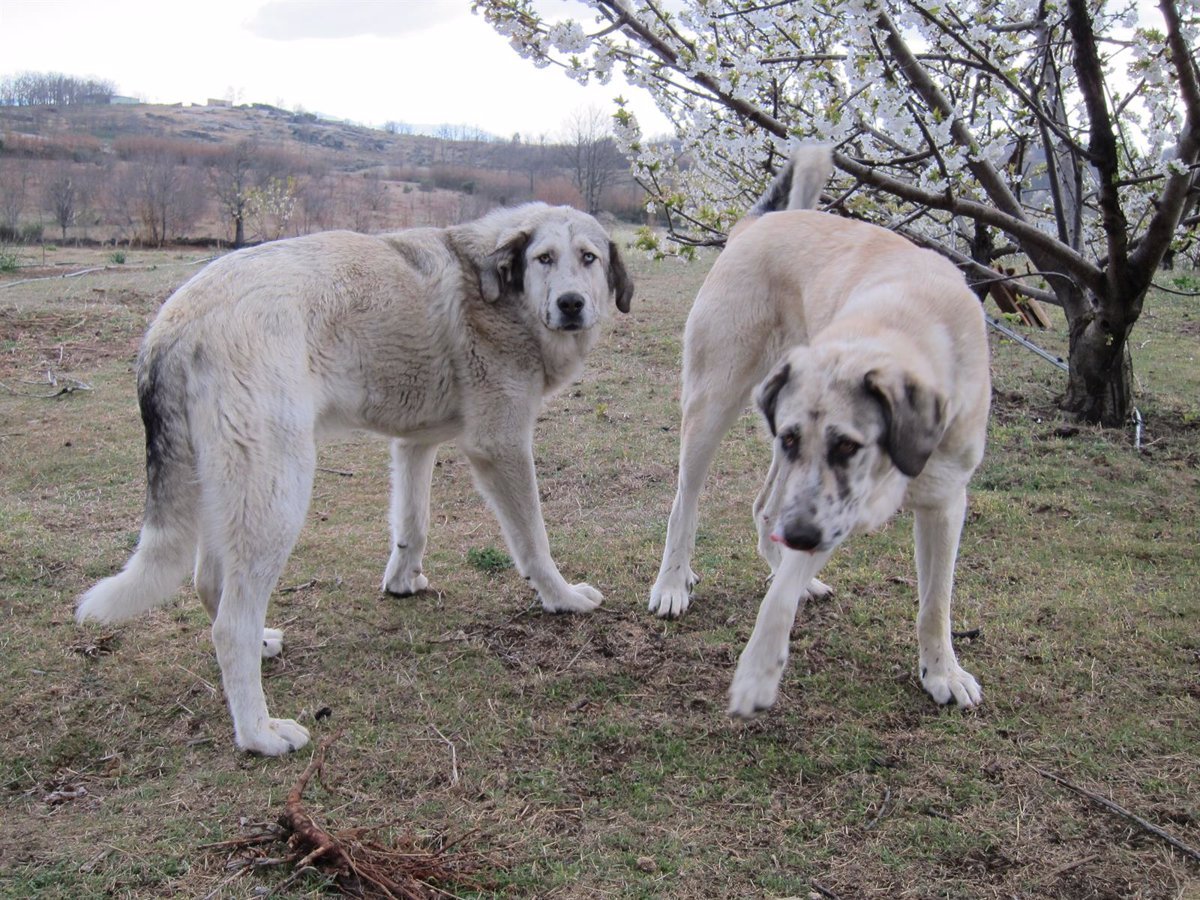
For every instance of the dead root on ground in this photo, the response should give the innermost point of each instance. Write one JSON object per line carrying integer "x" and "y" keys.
{"x": 353, "y": 861}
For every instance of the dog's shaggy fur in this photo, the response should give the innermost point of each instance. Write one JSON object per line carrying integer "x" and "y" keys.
{"x": 876, "y": 391}
{"x": 422, "y": 335}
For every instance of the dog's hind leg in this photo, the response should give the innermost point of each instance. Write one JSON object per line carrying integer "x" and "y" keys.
{"x": 208, "y": 577}
{"x": 760, "y": 667}
{"x": 253, "y": 522}
{"x": 412, "y": 473}
{"x": 936, "y": 531}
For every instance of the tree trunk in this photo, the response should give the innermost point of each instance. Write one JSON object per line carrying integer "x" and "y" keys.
{"x": 239, "y": 232}
{"x": 1100, "y": 380}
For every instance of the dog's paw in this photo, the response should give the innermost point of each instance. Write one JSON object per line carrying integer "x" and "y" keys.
{"x": 404, "y": 582}
{"x": 272, "y": 642}
{"x": 280, "y": 736}
{"x": 755, "y": 686}
{"x": 580, "y": 597}
{"x": 670, "y": 601}
{"x": 952, "y": 685}
{"x": 818, "y": 590}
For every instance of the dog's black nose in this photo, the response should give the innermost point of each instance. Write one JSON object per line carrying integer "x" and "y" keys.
{"x": 801, "y": 535}
{"x": 571, "y": 304}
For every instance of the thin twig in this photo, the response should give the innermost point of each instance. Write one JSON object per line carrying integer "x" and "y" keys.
{"x": 298, "y": 587}
{"x": 1122, "y": 812}
{"x": 887, "y": 797}
{"x": 453, "y": 756}
{"x": 1055, "y": 874}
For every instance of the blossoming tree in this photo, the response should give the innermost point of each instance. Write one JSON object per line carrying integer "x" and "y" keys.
{"x": 1061, "y": 137}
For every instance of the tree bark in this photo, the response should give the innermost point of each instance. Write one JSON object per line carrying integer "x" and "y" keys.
{"x": 1100, "y": 378}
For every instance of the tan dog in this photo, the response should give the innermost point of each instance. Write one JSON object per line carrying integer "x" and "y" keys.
{"x": 876, "y": 392}
{"x": 422, "y": 335}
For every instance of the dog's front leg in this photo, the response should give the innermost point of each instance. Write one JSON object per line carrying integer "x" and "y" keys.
{"x": 412, "y": 473}
{"x": 506, "y": 478}
{"x": 936, "y": 534}
{"x": 760, "y": 668}
{"x": 765, "y": 511}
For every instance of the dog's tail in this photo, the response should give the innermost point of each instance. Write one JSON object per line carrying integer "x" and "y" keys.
{"x": 167, "y": 545}
{"x": 798, "y": 184}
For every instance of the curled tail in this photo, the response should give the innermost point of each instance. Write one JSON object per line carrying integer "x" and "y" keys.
{"x": 167, "y": 545}
{"x": 798, "y": 184}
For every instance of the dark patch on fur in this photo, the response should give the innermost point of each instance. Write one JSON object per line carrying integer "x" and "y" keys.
{"x": 159, "y": 400}
{"x": 512, "y": 276}
{"x": 619, "y": 281}
{"x": 913, "y": 417}
{"x": 775, "y": 198}
{"x": 842, "y": 475}
{"x": 768, "y": 393}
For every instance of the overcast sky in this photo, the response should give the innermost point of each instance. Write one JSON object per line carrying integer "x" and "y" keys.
{"x": 370, "y": 61}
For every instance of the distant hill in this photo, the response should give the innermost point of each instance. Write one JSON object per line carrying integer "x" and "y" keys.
{"x": 336, "y": 174}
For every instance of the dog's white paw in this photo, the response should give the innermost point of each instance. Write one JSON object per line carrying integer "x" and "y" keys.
{"x": 669, "y": 600}
{"x": 953, "y": 684}
{"x": 580, "y": 597}
{"x": 402, "y": 580}
{"x": 755, "y": 685}
{"x": 818, "y": 590}
{"x": 278, "y": 737}
{"x": 272, "y": 642}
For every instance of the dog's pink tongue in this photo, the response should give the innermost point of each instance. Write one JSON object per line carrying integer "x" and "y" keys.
{"x": 777, "y": 537}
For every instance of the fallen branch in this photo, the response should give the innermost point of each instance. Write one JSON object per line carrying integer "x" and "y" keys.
{"x": 360, "y": 867}
{"x": 1121, "y": 811}
{"x": 305, "y": 833}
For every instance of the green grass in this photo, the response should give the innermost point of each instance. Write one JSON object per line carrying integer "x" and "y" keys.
{"x": 590, "y": 756}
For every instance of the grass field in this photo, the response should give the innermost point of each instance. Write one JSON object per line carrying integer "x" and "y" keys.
{"x": 590, "y": 756}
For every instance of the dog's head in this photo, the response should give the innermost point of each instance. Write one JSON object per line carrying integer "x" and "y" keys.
{"x": 850, "y": 428}
{"x": 562, "y": 262}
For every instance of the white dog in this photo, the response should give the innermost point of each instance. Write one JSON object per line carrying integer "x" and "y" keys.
{"x": 876, "y": 393}
{"x": 423, "y": 335}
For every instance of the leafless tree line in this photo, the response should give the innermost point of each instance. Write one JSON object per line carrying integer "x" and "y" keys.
{"x": 53, "y": 89}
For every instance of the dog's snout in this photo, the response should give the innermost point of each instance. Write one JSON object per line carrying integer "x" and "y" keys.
{"x": 800, "y": 535}
{"x": 571, "y": 304}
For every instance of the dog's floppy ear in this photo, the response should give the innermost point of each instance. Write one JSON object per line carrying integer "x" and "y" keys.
{"x": 503, "y": 270}
{"x": 914, "y": 417}
{"x": 768, "y": 392}
{"x": 619, "y": 281}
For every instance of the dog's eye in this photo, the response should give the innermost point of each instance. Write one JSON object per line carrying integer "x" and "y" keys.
{"x": 545, "y": 259}
{"x": 844, "y": 450}
{"x": 789, "y": 441}
{"x": 589, "y": 257}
